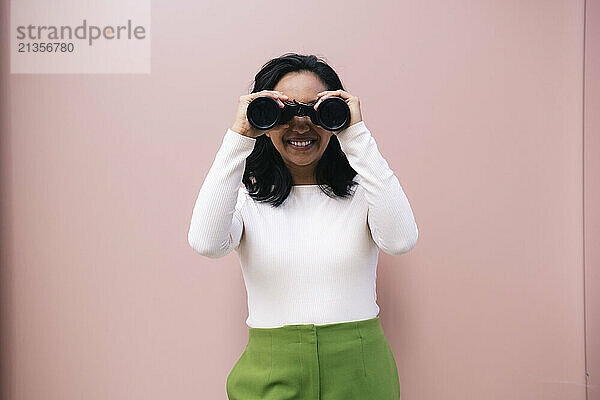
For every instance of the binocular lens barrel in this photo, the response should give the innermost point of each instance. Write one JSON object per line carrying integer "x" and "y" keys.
{"x": 333, "y": 114}
{"x": 264, "y": 113}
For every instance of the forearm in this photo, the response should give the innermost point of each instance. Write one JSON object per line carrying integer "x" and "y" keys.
{"x": 390, "y": 217}
{"x": 214, "y": 231}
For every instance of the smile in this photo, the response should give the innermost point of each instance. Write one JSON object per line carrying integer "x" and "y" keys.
{"x": 302, "y": 146}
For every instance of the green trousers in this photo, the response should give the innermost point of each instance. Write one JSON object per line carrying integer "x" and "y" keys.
{"x": 342, "y": 361}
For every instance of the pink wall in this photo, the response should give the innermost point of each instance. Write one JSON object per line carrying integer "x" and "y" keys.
{"x": 476, "y": 105}
{"x": 592, "y": 195}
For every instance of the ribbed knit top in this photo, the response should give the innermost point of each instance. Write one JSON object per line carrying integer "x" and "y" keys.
{"x": 313, "y": 259}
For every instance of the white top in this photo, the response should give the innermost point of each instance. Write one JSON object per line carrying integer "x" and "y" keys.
{"x": 313, "y": 259}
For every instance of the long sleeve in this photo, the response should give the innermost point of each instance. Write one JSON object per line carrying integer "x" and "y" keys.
{"x": 390, "y": 217}
{"x": 216, "y": 226}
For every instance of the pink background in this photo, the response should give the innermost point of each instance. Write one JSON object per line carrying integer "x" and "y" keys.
{"x": 479, "y": 108}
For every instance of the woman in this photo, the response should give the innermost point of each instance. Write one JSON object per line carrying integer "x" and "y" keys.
{"x": 314, "y": 209}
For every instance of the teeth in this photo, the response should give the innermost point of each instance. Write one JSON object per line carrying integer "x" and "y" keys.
{"x": 301, "y": 144}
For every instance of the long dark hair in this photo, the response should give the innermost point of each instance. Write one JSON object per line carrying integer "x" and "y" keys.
{"x": 266, "y": 177}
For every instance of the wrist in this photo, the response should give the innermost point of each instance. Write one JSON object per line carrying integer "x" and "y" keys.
{"x": 240, "y": 130}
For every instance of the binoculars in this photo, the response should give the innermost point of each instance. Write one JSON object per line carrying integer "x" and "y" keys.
{"x": 264, "y": 112}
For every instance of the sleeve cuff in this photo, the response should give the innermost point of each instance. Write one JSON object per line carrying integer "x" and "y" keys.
{"x": 238, "y": 141}
{"x": 352, "y": 130}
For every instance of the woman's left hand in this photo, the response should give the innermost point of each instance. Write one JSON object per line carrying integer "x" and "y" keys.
{"x": 352, "y": 101}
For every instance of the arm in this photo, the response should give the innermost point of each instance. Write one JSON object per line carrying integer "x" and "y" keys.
{"x": 390, "y": 218}
{"x": 217, "y": 225}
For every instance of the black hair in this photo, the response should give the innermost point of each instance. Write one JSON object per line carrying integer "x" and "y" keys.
{"x": 266, "y": 176}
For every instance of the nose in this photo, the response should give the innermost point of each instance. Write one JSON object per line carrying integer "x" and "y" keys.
{"x": 300, "y": 124}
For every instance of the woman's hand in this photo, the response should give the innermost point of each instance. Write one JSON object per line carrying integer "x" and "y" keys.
{"x": 352, "y": 101}
{"x": 241, "y": 124}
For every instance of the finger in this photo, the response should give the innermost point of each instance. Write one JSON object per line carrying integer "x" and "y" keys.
{"x": 271, "y": 93}
{"x": 323, "y": 95}
{"x": 331, "y": 93}
{"x": 328, "y": 92}
{"x": 279, "y": 102}
{"x": 274, "y": 94}
{"x": 339, "y": 92}
{"x": 323, "y": 98}
{"x": 279, "y": 95}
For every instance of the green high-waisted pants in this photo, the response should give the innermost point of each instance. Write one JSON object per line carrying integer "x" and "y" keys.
{"x": 341, "y": 361}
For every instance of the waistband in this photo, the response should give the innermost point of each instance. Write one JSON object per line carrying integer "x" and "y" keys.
{"x": 337, "y": 331}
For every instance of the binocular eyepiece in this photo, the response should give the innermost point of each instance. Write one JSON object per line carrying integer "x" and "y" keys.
{"x": 264, "y": 112}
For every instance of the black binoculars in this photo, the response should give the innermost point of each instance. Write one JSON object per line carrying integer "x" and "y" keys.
{"x": 264, "y": 112}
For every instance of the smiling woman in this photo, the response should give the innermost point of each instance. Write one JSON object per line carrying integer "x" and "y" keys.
{"x": 277, "y": 164}
{"x": 313, "y": 318}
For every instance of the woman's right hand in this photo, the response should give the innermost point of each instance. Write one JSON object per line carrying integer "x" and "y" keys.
{"x": 241, "y": 124}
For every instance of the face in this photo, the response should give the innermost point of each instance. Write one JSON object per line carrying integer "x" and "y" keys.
{"x": 302, "y": 86}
